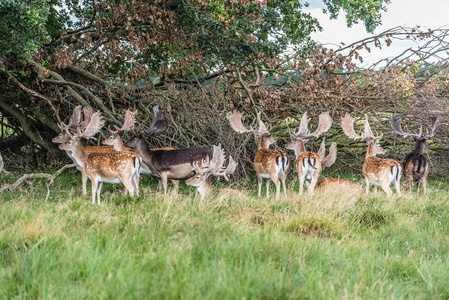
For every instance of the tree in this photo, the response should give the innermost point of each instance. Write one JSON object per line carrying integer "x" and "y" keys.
{"x": 203, "y": 56}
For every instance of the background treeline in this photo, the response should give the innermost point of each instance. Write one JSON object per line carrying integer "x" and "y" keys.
{"x": 201, "y": 60}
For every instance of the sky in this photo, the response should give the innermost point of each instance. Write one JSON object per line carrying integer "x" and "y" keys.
{"x": 428, "y": 14}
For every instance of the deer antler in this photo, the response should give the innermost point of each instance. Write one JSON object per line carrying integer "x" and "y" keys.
{"x": 397, "y": 128}
{"x": 128, "y": 123}
{"x": 158, "y": 124}
{"x": 235, "y": 120}
{"x": 347, "y": 124}
{"x": 88, "y": 112}
{"x": 434, "y": 121}
{"x": 94, "y": 126}
{"x": 324, "y": 124}
{"x": 215, "y": 166}
{"x": 73, "y": 122}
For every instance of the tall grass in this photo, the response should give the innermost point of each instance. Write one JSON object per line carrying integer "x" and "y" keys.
{"x": 321, "y": 247}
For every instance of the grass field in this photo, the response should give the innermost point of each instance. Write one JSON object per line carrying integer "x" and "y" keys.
{"x": 223, "y": 247}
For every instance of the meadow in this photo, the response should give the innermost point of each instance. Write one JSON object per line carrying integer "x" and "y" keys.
{"x": 331, "y": 246}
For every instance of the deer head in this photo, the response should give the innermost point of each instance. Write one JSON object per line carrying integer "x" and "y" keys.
{"x": 128, "y": 124}
{"x": 419, "y": 138}
{"x": 157, "y": 127}
{"x": 205, "y": 168}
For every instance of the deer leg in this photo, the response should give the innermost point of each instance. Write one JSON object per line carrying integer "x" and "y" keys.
{"x": 375, "y": 189}
{"x": 397, "y": 187}
{"x": 410, "y": 183}
{"x": 175, "y": 187}
{"x": 366, "y": 185}
{"x": 268, "y": 186}
{"x": 311, "y": 187}
{"x": 424, "y": 185}
{"x": 135, "y": 183}
{"x": 129, "y": 186}
{"x": 94, "y": 182}
{"x": 284, "y": 176}
{"x": 159, "y": 185}
{"x": 164, "y": 182}
{"x": 84, "y": 181}
{"x": 259, "y": 180}
{"x": 277, "y": 183}
{"x": 100, "y": 185}
{"x": 301, "y": 183}
{"x": 385, "y": 186}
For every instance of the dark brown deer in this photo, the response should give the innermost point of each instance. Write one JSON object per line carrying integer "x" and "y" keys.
{"x": 270, "y": 164}
{"x": 310, "y": 164}
{"x": 116, "y": 141}
{"x": 207, "y": 168}
{"x": 166, "y": 164}
{"x": 377, "y": 171}
{"x": 111, "y": 167}
{"x": 415, "y": 165}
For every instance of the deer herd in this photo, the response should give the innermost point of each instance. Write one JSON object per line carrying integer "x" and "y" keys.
{"x": 119, "y": 162}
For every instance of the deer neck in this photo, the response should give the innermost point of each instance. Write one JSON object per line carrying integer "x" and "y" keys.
{"x": 146, "y": 154}
{"x": 299, "y": 148}
{"x": 263, "y": 143}
{"x": 371, "y": 151}
{"x": 119, "y": 146}
{"x": 80, "y": 155}
{"x": 420, "y": 145}
{"x": 204, "y": 188}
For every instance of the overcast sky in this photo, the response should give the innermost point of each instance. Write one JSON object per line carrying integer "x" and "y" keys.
{"x": 428, "y": 14}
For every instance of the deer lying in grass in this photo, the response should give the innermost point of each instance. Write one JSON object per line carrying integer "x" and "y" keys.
{"x": 166, "y": 164}
{"x": 76, "y": 122}
{"x": 415, "y": 165}
{"x": 310, "y": 164}
{"x": 207, "y": 168}
{"x": 115, "y": 141}
{"x": 377, "y": 171}
{"x": 111, "y": 167}
{"x": 270, "y": 164}
{"x": 337, "y": 185}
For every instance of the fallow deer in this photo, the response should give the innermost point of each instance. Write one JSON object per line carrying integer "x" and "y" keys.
{"x": 337, "y": 185}
{"x": 415, "y": 165}
{"x": 270, "y": 164}
{"x": 76, "y": 122}
{"x": 115, "y": 141}
{"x": 111, "y": 167}
{"x": 213, "y": 167}
{"x": 377, "y": 171}
{"x": 310, "y": 164}
{"x": 174, "y": 164}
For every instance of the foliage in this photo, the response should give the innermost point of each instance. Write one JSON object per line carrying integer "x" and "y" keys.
{"x": 366, "y": 11}
{"x": 222, "y": 247}
{"x": 23, "y": 29}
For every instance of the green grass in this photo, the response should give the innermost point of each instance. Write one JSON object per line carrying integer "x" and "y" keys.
{"x": 223, "y": 247}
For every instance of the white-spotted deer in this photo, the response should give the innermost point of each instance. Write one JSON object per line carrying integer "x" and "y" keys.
{"x": 377, "y": 171}
{"x": 270, "y": 164}
{"x": 111, "y": 167}
{"x": 213, "y": 167}
{"x": 77, "y": 122}
{"x": 115, "y": 140}
{"x": 174, "y": 164}
{"x": 310, "y": 164}
{"x": 415, "y": 165}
